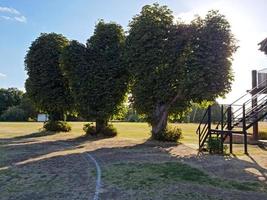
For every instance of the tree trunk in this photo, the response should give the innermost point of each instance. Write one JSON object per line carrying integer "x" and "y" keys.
{"x": 159, "y": 121}
{"x": 100, "y": 125}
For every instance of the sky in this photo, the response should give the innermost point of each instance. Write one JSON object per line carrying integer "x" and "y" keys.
{"x": 22, "y": 21}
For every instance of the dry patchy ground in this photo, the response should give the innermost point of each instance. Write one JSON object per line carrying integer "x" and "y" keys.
{"x": 41, "y": 165}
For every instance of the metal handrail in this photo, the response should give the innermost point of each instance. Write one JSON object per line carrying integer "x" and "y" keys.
{"x": 252, "y": 108}
{"x": 246, "y": 102}
{"x": 200, "y": 123}
{"x": 249, "y": 91}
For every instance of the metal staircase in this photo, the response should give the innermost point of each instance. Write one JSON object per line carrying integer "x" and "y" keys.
{"x": 236, "y": 118}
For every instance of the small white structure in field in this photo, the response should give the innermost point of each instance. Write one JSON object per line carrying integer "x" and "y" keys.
{"x": 42, "y": 117}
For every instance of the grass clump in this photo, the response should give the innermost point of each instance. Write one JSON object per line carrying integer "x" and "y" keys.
{"x": 169, "y": 134}
{"x": 57, "y": 126}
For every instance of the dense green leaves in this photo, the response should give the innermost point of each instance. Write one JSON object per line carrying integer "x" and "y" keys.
{"x": 46, "y": 86}
{"x": 171, "y": 65}
{"x": 209, "y": 65}
{"x": 175, "y": 64}
{"x": 9, "y": 97}
{"x": 97, "y": 74}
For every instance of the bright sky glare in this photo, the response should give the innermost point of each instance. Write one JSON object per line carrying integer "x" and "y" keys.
{"x": 21, "y": 21}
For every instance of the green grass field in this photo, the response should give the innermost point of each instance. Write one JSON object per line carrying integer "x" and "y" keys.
{"x": 125, "y": 130}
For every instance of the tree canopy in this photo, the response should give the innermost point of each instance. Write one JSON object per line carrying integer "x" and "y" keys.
{"x": 175, "y": 64}
{"x": 97, "y": 75}
{"x": 9, "y": 97}
{"x": 46, "y": 86}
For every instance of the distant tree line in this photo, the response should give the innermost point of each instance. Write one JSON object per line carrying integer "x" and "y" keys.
{"x": 164, "y": 66}
{"x": 16, "y": 106}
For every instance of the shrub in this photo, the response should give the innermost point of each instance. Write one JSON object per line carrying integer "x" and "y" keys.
{"x": 14, "y": 113}
{"x": 262, "y": 135}
{"x": 57, "y": 126}
{"x": 214, "y": 146}
{"x": 170, "y": 134}
{"x": 108, "y": 131}
{"x": 89, "y": 129}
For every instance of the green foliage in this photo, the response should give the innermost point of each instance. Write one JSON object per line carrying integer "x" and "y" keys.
{"x": 57, "y": 126}
{"x": 209, "y": 62}
{"x": 15, "y": 105}
{"x": 121, "y": 113}
{"x": 134, "y": 117}
{"x": 196, "y": 112}
{"x": 46, "y": 86}
{"x": 146, "y": 50}
{"x": 175, "y": 64}
{"x": 14, "y": 113}
{"x": 9, "y": 97}
{"x": 97, "y": 74}
{"x": 214, "y": 145}
{"x": 89, "y": 129}
{"x": 28, "y": 107}
{"x": 108, "y": 131}
{"x": 171, "y": 134}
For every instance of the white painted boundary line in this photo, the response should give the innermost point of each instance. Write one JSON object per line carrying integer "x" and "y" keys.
{"x": 98, "y": 177}
{"x": 98, "y": 171}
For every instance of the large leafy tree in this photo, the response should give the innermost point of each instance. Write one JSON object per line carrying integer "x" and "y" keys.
{"x": 97, "y": 75}
{"x": 9, "y": 97}
{"x": 46, "y": 86}
{"x": 175, "y": 64}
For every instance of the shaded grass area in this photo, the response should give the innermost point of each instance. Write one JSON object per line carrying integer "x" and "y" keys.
{"x": 51, "y": 178}
{"x": 136, "y": 176}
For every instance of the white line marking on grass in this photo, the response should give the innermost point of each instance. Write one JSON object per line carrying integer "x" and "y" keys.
{"x": 98, "y": 177}
{"x": 98, "y": 171}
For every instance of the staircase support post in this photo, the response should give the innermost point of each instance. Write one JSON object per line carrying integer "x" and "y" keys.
{"x": 231, "y": 142}
{"x": 254, "y": 102}
{"x": 222, "y": 125}
{"x": 229, "y": 128}
{"x": 209, "y": 122}
{"x": 245, "y": 131}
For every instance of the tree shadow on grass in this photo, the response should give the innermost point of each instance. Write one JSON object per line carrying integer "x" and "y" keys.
{"x": 58, "y": 161}
{"x": 41, "y": 133}
{"x": 109, "y": 151}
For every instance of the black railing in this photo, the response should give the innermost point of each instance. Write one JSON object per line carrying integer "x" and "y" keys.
{"x": 246, "y": 114}
{"x": 203, "y": 132}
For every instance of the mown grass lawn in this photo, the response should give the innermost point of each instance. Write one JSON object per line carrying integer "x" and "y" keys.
{"x": 125, "y": 130}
